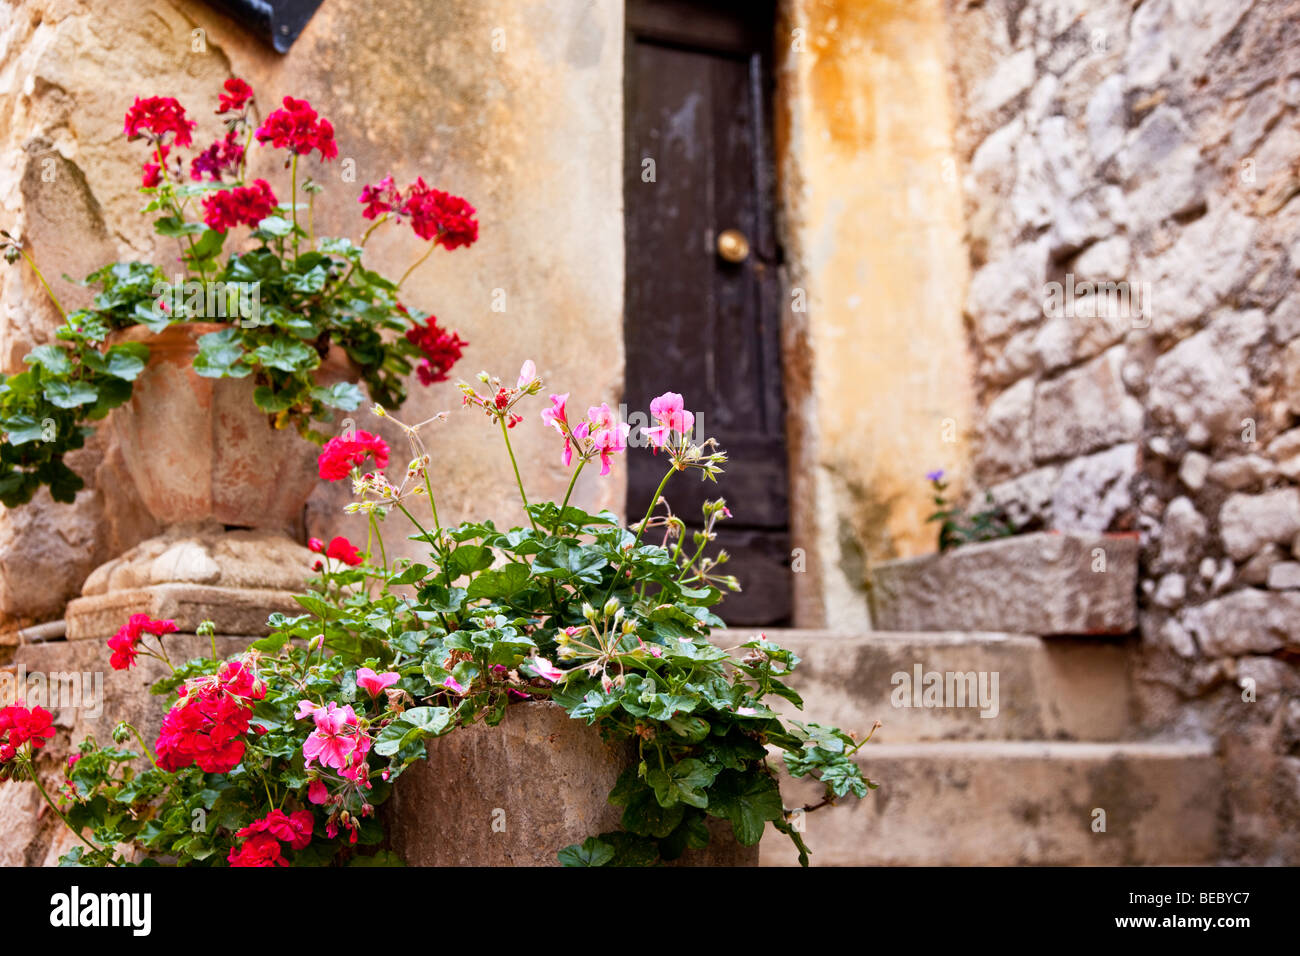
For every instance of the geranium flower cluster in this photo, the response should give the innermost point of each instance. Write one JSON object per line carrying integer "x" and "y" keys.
{"x": 19, "y": 726}
{"x": 441, "y": 349}
{"x": 206, "y": 727}
{"x": 435, "y": 215}
{"x": 241, "y": 206}
{"x": 297, "y": 128}
{"x": 342, "y": 452}
{"x": 125, "y": 644}
{"x": 339, "y": 549}
{"x": 223, "y": 156}
{"x": 600, "y": 434}
{"x": 157, "y": 116}
{"x": 263, "y": 838}
{"x": 501, "y": 400}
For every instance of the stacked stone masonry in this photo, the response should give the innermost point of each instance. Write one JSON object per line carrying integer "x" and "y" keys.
{"x": 1153, "y": 144}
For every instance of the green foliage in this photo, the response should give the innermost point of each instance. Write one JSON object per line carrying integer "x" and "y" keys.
{"x": 956, "y": 527}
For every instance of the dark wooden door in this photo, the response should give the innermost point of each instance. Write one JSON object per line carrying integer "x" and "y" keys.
{"x": 698, "y": 163}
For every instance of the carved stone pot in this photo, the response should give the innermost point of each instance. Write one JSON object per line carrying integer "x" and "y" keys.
{"x": 198, "y": 450}
{"x": 228, "y": 487}
{"x": 517, "y": 793}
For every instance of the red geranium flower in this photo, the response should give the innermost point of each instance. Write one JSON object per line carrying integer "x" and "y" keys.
{"x": 297, "y": 128}
{"x": 158, "y": 115}
{"x": 341, "y": 549}
{"x": 442, "y": 349}
{"x": 18, "y": 725}
{"x": 125, "y": 643}
{"x": 259, "y": 850}
{"x": 226, "y": 153}
{"x": 236, "y": 96}
{"x": 440, "y": 216}
{"x": 340, "y": 454}
{"x": 243, "y": 205}
{"x": 206, "y": 726}
{"x": 380, "y": 198}
{"x": 294, "y": 829}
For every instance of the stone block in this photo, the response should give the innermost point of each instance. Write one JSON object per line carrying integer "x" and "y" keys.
{"x": 1018, "y": 803}
{"x": 1248, "y": 621}
{"x": 1043, "y": 584}
{"x": 1248, "y": 522}
{"x": 233, "y": 610}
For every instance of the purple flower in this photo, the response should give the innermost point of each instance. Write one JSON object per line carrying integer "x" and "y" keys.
{"x": 934, "y": 475}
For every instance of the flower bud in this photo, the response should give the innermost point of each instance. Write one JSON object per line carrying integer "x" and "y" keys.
{"x": 611, "y": 607}
{"x": 588, "y": 612}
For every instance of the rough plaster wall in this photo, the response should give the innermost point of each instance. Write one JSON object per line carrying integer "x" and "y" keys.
{"x": 1154, "y": 143}
{"x": 879, "y": 374}
{"x": 530, "y": 133}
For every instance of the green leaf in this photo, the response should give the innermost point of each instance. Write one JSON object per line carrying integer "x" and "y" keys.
{"x": 500, "y": 584}
{"x": 593, "y": 851}
{"x": 221, "y": 355}
{"x": 748, "y": 800}
{"x": 52, "y": 358}
{"x": 342, "y": 395}
{"x": 570, "y": 562}
{"x": 469, "y": 558}
{"x": 685, "y": 782}
{"x": 175, "y": 226}
{"x": 65, "y": 394}
{"x": 22, "y": 429}
{"x": 287, "y": 355}
{"x": 416, "y": 724}
{"x": 126, "y": 360}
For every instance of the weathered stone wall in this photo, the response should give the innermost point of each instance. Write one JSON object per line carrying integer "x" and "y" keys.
{"x": 517, "y": 106}
{"x": 877, "y": 371}
{"x": 1154, "y": 144}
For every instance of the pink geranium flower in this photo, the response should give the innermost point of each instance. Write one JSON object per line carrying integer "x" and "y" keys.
{"x": 670, "y": 413}
{"x": 374, "y": 684}
{"x": 608, "y": 435}
{"x": 544, "y": 669}
{"x": 335, "y": 738}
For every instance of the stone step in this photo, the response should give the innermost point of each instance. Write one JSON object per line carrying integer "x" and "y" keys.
{"x": 1058, "y": 689}
{"x": 1046, "y": 583}
{"x": 1011, "y": 803}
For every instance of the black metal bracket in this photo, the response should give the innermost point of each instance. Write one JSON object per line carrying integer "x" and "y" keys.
{"x": 276, "y": 22}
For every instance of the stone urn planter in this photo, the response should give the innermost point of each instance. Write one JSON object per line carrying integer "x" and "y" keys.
{"x": 198, "y": 449}
{"x": 515, "y": 794}
{"x": 228, "y": 487}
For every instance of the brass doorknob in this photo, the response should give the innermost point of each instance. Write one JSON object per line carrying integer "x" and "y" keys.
{"x": 733, "y": 246}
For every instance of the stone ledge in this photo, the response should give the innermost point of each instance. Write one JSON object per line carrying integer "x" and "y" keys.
{"x": 235, "y": 611}
{"x": 1013, "y": 803}
{"x": 1043, "y": 584}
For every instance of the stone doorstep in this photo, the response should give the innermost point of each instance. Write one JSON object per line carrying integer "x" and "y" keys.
{"x": 235, "y": 611}
{"x": 1060, "y": 689}
{"x": 1001, "y": 803}
{"x": 1046, "y": 583}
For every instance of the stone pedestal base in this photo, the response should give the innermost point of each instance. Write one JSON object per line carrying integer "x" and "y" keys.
{"x": 515, "y": 794}
{"x": 233, "y": 578}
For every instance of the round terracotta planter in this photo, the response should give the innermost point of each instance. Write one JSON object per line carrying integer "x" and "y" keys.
{"x": 198, "y": 450}
{"x": 515, "y": 794}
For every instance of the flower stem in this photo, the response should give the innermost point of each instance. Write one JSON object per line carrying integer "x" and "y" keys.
{"x": 417, "y": 263}
{"x": 572, "y": 481}
{"x": 41, "y": 276}
{"x": 36, "y": 779}
{"x": 640, "y": 530}
{"x": 294, "y": 175}
{"x": 505, "y": 433}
